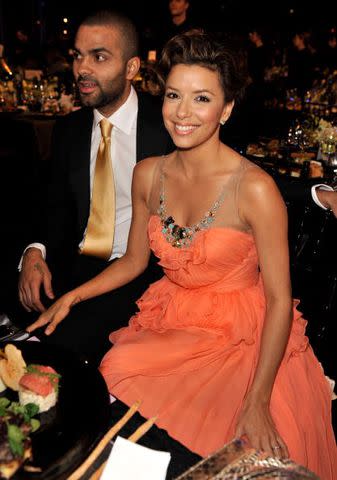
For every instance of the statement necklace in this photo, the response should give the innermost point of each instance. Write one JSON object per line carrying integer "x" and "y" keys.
{"x": 179, "y": 236}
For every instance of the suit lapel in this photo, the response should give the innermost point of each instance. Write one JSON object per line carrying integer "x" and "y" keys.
{"x": 142, "y": 133}
{"x": 80, "y": 166}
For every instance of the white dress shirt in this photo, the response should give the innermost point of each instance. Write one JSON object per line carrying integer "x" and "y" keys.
{"x": 314, "y": 195}
{"x": 123, "y": 158}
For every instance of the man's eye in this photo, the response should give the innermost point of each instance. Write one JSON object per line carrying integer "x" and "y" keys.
{"x": 202, "y": 98}
{"x": 99, "y": 57}
{"x": 171, "y": 95}
{"x": 76, "y": 55}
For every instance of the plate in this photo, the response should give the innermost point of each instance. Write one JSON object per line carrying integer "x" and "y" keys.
{"x": 71, "y": 429}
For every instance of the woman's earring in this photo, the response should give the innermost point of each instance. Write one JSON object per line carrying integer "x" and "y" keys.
{"x": 222, "y": 122}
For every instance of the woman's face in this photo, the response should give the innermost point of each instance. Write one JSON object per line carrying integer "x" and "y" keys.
{"x": 194, "y": 105}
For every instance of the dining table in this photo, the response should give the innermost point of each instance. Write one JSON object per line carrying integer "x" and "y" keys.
{"x": 78, "y": 437}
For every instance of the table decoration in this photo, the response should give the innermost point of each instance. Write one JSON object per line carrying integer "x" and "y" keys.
{"x": 237, "y": 460}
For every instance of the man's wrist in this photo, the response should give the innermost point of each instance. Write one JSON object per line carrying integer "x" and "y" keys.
{"x": 326, "y": 198}
{"x": 32, "y": 251}
{"x": 38, "y": 246}
{"x": 316, "y": 193}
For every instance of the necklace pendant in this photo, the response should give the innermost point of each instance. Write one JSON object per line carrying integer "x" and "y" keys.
{"x": 168, "y": 222}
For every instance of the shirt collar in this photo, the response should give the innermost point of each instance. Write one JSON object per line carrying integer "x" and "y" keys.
{"x": 124, "y": 118}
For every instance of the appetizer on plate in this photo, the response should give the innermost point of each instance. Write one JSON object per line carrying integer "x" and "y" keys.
{"x": 16, "y": 425}
{"x": 35, "y": 383}
{"x": 37, "y": 387}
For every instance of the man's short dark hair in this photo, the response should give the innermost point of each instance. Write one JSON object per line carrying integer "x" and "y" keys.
{"x": 129, "y": 35}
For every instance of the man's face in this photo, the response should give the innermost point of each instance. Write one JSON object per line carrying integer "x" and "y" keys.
{"x": 178, "y": 7}
{"x": 99, "y": 68}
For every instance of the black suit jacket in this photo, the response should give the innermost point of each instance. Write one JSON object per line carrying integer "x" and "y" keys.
{"x": 68, "y": 197}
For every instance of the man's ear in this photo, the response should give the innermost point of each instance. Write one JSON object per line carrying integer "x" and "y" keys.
{"x": 132, "y": 68}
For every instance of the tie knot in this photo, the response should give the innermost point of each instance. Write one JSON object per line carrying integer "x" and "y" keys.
{"x": 106, "y": 128}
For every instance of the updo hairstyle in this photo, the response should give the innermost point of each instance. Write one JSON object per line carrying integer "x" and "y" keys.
{"x": 206, "y": 50}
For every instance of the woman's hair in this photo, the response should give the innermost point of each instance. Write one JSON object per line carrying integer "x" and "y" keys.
{"x": 198, "y": 48}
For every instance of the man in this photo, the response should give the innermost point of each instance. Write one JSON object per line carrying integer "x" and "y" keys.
{"x": 325, "y": 197}
{"x": 258, "y": 57}
{"x": 178, "y": 11}
{"x": 179, "y": 21}
{"x": 105, "y": 63}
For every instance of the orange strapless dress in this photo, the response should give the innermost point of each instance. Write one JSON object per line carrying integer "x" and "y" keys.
{"x": 190, "y": 353}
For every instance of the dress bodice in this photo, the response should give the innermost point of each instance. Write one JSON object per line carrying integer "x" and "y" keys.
{"x": 223, "y": 257}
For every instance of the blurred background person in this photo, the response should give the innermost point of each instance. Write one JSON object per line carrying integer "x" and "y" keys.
{"x": 23, "y": 53}
{"x": 258, "y": 57}
{"x": 329, "y": 53}
{"x": 179, "y": 21}
{"x": 301, "y": 63}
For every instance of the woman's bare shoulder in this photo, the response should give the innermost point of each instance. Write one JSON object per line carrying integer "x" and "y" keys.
{"x": 255, "y": 180}
{"x": 148, "y": 164}
{"x": 147, "y": 168}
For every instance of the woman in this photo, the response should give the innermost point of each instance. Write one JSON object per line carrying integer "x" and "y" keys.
{"x": 217, "y": 349}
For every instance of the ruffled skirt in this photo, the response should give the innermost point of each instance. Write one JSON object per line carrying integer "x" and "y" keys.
{"x": 190, "y": 355}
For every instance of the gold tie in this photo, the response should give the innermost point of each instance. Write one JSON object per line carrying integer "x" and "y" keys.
{"x": 99, "y": 237}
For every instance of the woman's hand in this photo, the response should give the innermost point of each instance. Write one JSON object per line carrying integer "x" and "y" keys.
{"x": 55, "y": 313}
{"x": 256, "y": 423}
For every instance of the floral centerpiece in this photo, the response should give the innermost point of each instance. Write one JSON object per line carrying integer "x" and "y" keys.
{"x": 326, "y": 136}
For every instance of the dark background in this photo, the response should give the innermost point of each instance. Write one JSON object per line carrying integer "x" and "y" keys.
{"x": 44, "y": 18}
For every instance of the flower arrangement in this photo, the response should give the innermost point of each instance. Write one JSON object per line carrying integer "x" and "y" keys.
{"x": 325, "y": 132}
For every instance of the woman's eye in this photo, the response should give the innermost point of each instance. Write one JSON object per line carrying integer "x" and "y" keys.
{"x": 202, "y": 98}
{"x": 171, "y": 95}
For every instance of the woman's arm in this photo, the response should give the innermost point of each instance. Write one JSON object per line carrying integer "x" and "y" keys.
{"x": 261, "y": 207}
{"x": 123, "y": 270}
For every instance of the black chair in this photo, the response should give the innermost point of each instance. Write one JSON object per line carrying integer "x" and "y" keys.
{"x": 19, "y": 197}
{"x": 314, "y": 280}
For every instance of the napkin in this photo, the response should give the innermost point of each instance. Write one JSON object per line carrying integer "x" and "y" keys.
{"x": 129, "y": 460}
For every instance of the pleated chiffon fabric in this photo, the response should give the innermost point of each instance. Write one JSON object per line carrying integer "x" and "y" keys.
{"x": 190, "y": 353}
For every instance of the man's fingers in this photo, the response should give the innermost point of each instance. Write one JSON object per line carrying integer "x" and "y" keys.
{"x": 26, "y": 307}
{"x": 27, "y": 300}
{"x": 38, "y": 306}
{"x": 36, "y": 301}
{"x": 23, "y": 303}
{"x": 48, "y": 286}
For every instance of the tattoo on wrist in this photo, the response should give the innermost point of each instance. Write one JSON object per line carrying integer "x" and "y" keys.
{"x": 38, "y": 268}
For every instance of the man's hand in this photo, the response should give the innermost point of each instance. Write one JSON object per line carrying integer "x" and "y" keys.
{"x": 34, "y": 273}
{"x": 328, "y": 199}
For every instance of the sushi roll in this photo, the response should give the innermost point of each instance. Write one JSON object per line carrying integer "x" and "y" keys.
{"x": 39, "y": 385}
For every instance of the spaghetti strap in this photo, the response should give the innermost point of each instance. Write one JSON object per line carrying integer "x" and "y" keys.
{"x": 243, "y": 167}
